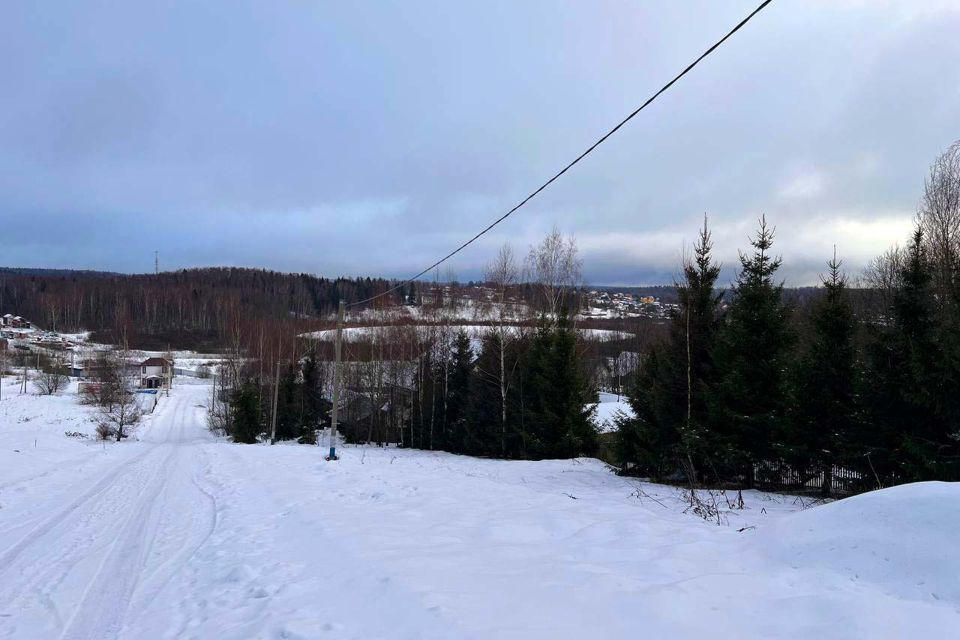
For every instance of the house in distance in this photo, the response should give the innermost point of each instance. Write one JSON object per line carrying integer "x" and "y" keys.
{"x": 11, "y": 321}
{"x": 156, "y": 373}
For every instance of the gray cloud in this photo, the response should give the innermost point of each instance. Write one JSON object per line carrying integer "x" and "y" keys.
{"x": 372, "y": 137}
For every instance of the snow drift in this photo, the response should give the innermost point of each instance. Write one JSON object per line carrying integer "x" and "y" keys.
{"x": 901, "y": 540}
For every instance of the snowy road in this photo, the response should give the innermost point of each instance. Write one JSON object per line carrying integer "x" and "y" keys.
{"x": 98, "y": 546}
{"x": 180, "y": 535}
{"x": 146, "y": 541}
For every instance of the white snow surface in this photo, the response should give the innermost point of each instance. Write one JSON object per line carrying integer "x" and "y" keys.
{"x": 608, "y": 409}
{"x": 474, "y": 331}
{"x": 176, "y": 534}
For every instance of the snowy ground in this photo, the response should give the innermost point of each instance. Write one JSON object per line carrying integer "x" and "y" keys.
{"x": 177, "y": 535}
{"x": 611, "y": 405}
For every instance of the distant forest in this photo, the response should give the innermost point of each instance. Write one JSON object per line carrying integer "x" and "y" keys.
{"x": 202, "y": 308}
{"x": 191, "y": 308}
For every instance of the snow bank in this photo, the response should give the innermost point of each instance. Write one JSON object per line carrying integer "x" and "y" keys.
{"x": 902, "y": 541}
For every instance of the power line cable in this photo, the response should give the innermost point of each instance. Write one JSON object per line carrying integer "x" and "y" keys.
{"x": 569, "y": 166}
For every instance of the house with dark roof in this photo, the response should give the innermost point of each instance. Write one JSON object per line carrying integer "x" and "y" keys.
{"x": 156, "y": 373}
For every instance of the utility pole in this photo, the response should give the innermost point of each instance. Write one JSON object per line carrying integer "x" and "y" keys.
{"x": 156, "y": 263}
{"x": 273, "y": 421}
{"x": 336, "y": 384}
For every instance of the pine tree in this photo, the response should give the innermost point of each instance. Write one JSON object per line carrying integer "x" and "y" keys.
{"x": 459, "y": 433}
{"x": 557, "y": 402}
{"x": 315, "y": 407}
{"x": 648, "y": 442}
{"x": 823, "y": 419}
{"x": 748, "y": 401}
{"x": 912, "y": 377}
{"x": 668, "y": 393}
{"x": 484, "y": 409}
{"x": 289, "y": 408}
{"x": 245, "y": 407}
{"x": 694, "y": 334}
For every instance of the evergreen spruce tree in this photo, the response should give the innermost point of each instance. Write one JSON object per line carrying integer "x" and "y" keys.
{"x": 245, "y": 407}
{"x": 748, "y": 400}
{"x": 823, "y": 419}
{"x": 913, "y": 376}
{"x": 459, "y": 434}
{"x": 484, "y": 412}
{"x": 667, "y": 394}
{"x": 557, "y": 403}
{"x": 289, "y": 408}
{"x": 694, "y": 334}
{"x": 315, "y": 407}
{"x": 648, "y": 442}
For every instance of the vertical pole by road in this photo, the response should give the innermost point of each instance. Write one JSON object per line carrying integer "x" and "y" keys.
{"x": 273, "y": 421}
{"x": 336, "y": 384}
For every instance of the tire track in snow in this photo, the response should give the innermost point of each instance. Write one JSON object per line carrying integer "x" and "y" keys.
{"x": 203, "y": 522}
{"x": 104, "y": 605}
{"x": 64, "y": 545}
{"x": 117, "y": 544}
{"x": 34, "y": 535}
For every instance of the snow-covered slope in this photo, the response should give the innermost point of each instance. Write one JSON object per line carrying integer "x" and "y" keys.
{"x": 174, "y": 534}
{"x": 902, "y": 541}
{"x": 610, "y": 407}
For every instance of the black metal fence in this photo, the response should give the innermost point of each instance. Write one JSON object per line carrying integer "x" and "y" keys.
{"x": 780, "y": 476}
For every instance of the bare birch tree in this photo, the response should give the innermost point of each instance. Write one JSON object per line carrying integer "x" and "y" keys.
{"x": 882, "y": 277}
{"x": 555, "y": 266}
{"x": 939, "y": 217}
{"x": 502, "y": 274}
{"x": 123, "y": 411}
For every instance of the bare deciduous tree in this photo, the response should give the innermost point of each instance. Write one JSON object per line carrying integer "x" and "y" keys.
{"x": 122, "y": 409}
{"x": 125, "y": 412}
{"x": 502, "y": 274}
{"x": 113, "y": 423}
{"x": 105, "y": 374}
{"x": 882, "y": 277}
{"x": 51, "y": 379}
{"x": 555, "y": 266}
{"x": 939, "y": 217}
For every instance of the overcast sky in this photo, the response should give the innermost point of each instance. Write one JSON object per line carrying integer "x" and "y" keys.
{"x": 372, "y": 137}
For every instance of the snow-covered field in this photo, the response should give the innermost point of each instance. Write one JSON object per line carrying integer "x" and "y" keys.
{"x": 610, "y": 406}
{"x": 474, "y": 331}
{"x": 175, "y": 534}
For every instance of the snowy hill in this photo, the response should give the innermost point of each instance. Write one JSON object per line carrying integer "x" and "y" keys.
{"x": 901, "y": 541}
{"x": 175, "y": 534}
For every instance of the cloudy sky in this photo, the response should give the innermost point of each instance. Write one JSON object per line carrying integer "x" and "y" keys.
{"x": 372, "y": 137}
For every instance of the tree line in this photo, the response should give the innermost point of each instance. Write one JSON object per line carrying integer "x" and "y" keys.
{"x": 190, "y": 308}
{"x": 518, "y": 390}
{"x": 746, "y": 386}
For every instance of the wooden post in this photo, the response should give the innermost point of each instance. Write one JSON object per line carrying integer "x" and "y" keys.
{"x": 338, "y": 347}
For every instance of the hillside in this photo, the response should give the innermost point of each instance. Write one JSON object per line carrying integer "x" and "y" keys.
{"x": 176, "y": 533}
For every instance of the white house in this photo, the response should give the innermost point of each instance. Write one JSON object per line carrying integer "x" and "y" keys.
{"x": 13, "y": 322}
{"x": 156, "y": 373}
